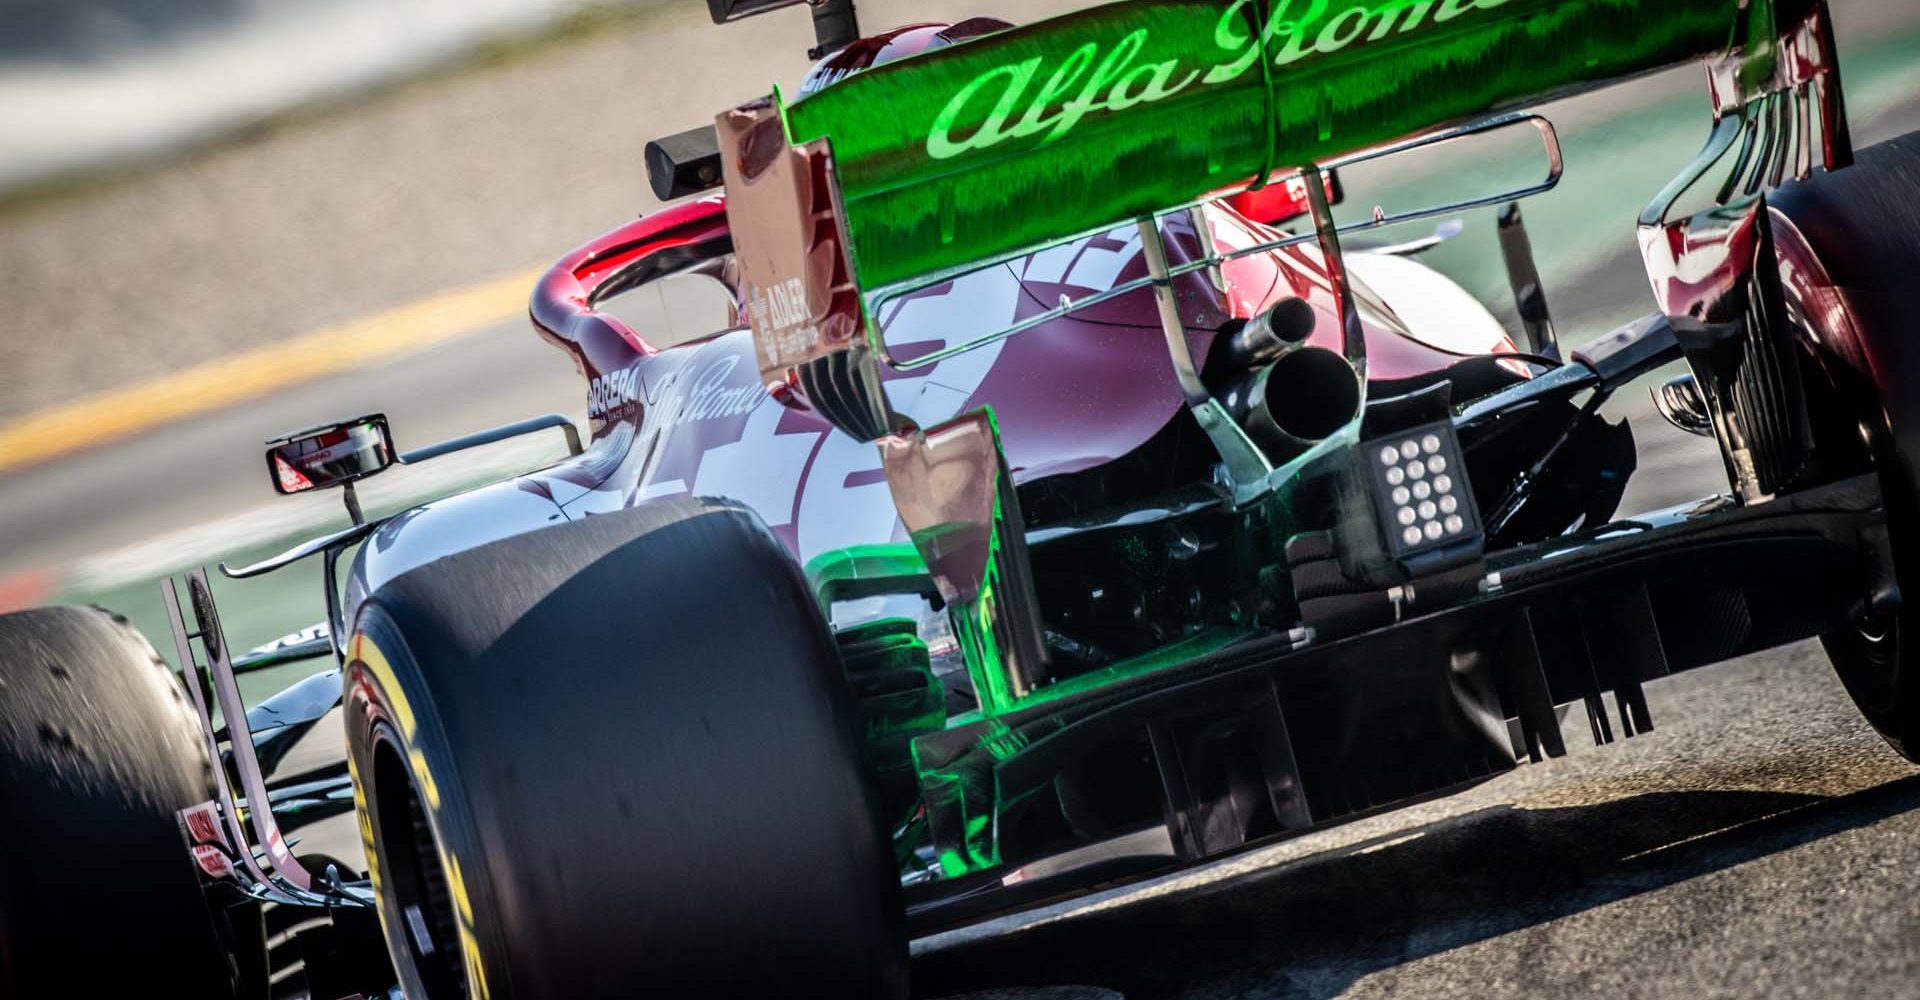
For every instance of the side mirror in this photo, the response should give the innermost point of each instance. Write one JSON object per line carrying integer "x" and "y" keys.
{"x": 733, "y": 10}
{"x": 683, "y": 164}
{"x": 330, "y": 455}
{"x": 835, "y": 26}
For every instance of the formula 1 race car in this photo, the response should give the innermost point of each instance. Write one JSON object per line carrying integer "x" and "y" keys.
{"x": 1072, "y": 497}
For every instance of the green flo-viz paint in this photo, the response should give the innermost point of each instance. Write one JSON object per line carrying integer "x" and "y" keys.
{"x": 1001, "y": 145}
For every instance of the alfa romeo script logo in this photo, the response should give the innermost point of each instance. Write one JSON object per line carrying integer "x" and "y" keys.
{"x": 1029, "y": 101}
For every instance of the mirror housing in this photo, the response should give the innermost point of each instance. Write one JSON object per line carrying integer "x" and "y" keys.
{"x": 330, "y": 455}
{"x": 684, "y": 163}
{"x": 835, "y": 25}
{"x": 733, "y": 10}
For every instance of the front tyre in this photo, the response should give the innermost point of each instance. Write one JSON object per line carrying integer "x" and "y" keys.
{"x": 616, "y": 758}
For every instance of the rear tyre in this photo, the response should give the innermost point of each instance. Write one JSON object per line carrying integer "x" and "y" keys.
{"x": 98, "y": 752}
{"x": 616, "y": 758}
{"x": 1863, "y": 226}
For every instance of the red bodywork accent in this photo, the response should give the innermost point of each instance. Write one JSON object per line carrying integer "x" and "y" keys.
{"x": 1280, "y": 200}
{"x": 1845, "y": 352}
{"x": 1695, "y": 264}
{"x": 671, "y": 238}
{"x": 1701, "y": 266}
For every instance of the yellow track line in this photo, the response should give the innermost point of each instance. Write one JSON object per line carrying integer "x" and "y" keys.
{"x": 119, "y": 413}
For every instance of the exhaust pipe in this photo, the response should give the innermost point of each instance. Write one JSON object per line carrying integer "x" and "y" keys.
{"x": 1299, "y": 399}
{"x": 1266, "y": 337}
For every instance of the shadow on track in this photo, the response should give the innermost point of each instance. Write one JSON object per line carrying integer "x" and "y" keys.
{"x": 1311, "y": 928}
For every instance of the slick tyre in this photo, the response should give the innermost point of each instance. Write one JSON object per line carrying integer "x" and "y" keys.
{"x": 615, "y": 758}
{"x": 98, "y": 752}
{"x": 1862, "y": 225}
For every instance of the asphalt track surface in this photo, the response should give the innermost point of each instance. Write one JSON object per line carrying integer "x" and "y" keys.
{"x": 1761, "y": 842}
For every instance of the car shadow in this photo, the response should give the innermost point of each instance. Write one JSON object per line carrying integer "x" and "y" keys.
{"x": 1312, "y": 927}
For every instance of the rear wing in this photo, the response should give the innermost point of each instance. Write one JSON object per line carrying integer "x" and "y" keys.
{"x": 979, "y": 152}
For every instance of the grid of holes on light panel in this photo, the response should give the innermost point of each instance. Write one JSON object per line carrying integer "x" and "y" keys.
{"x": 1425, "y": 507}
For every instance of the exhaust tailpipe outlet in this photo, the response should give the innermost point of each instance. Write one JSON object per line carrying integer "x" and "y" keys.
{"x": 1266, "y": 337}
{"x": 1293, "y": 403}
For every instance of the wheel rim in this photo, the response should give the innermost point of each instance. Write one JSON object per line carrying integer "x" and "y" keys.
{"x": 1871, "y": 642}
{"x": 1874, "y": 672}
{"x": 414, "y": 890}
